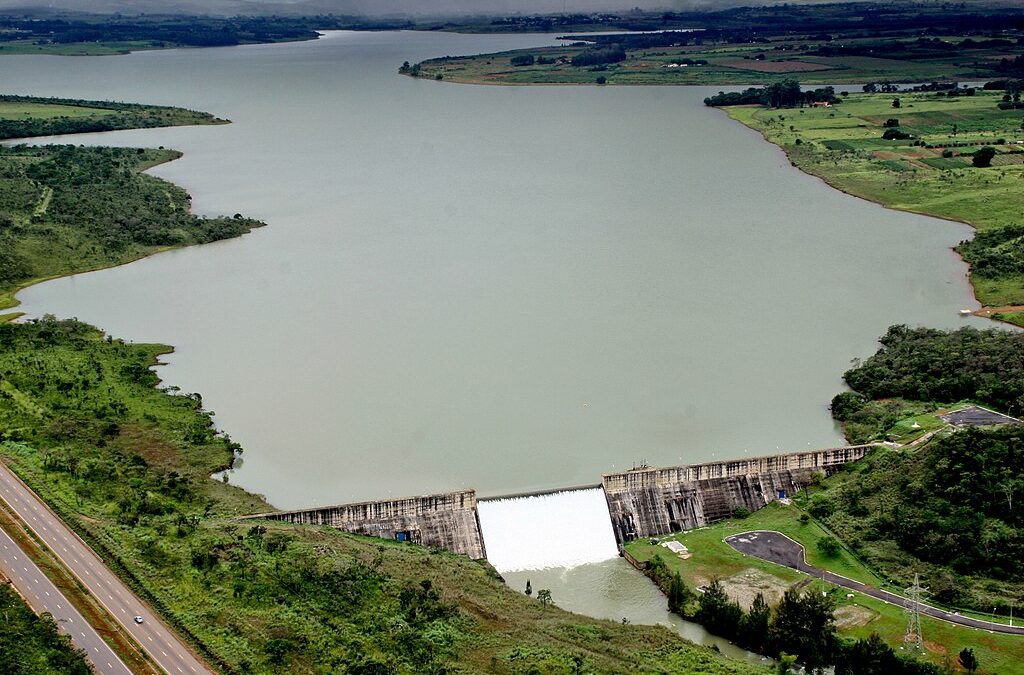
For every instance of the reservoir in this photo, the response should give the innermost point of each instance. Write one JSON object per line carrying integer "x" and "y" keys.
{"x": 499, "y": 288}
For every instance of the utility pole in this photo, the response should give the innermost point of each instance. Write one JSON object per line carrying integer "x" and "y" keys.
{"x": 912, "y": 638}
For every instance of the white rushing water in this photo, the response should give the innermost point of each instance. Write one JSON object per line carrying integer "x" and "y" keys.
{"x": 561, "y": 529}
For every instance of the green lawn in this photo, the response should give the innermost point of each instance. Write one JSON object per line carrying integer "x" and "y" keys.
{"x": 712, "y": 557}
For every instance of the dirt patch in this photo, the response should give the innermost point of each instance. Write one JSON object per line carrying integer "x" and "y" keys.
{"x": 935, "y": 648}
{"x": 989, "y": 311}
{"x": 776, "y": 66}
{"x": 851, "y": 616}
{"x": 744, "y": 586}
{"x": 156, "y": 451}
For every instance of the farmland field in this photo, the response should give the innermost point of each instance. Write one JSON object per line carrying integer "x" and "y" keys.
{"x": 724, "y": 64}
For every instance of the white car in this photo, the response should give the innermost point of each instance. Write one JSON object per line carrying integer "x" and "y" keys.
{"x": 139, "y": 619}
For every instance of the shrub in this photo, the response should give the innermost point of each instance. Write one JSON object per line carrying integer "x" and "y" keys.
{"x": 828, "y": 547}
{"x": 895, "y": 135}
{"x": 983, "y": 157}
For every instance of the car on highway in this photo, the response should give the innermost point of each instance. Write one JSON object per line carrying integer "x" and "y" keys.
{"x": 139, "y": 619}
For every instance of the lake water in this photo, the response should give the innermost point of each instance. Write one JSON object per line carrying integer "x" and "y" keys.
{"x": 503, "y": 288}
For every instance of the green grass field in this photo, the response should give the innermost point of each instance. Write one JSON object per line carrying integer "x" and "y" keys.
{"x": 77, "y": 48}
{"x": 17, "y": 110}
{"x": 726, "y": 65}
{"x": 859, "y": 616}
{"x": 843, "y": 145}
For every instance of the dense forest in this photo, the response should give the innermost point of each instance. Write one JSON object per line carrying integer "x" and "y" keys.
{"x": 926, "y": 364}
{"x": 30, "y": 644}
{"x": 68, "y": 208}
{"x": 92, "y": 116}
{"x": 947, "y": 509}
{"x": 801, "y": 624}
{"x": 784, "y": 94}
{"x": 162, "y": 31}
{"x": 954, "y": 505}
{"x": 128, "y": 466}
{"x": 996, "y": 253}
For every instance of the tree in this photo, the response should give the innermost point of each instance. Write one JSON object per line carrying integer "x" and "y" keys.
{"x": 717, "y": 613}
{"x": 828, "y": 546}
{"x": 529, "y": 588}
{"x": 968, "y": 660}
{"x": 983, "y": 157}
{"x": 601, "y": 79}
{"x": 896, "y": 102}
{"x": 678, "y": 594}
{"x": 782, "y": 94}
{"x": 544, "y": 595}
{"x": 805, "y": 625}
{"x": 786, "y": 663}
{"x": 753, "y": 629}
{"x": 891, "y": 122}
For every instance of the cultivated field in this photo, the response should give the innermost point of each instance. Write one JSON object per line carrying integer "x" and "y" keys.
{"x": 731, "y": 64}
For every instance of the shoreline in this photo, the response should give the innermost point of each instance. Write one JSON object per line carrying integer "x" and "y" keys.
{"x": 9, "y": 299}
{"x": 984, "y": 311}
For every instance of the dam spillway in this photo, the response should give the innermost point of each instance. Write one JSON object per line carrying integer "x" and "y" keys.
{"x": 564, "y": 528}
{"x": 570, "y": 526}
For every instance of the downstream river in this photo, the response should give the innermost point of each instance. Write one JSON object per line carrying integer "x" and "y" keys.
{"x": 503, "y": 288}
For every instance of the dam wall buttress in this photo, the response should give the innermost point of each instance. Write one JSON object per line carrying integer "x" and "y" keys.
{"x": 447, "y": 520}
{"x": 646, "y": 502}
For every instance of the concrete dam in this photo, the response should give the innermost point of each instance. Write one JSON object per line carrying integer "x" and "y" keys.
{"x": 638, "y": 503}
{"x": 446, "y": 520}
{"x": 648, "y": 502}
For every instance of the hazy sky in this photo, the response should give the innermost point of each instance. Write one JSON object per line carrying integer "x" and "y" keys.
{"x": 370, "y": 7}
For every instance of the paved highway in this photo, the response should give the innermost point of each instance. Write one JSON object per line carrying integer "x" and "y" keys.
{"x": 778, "y": 548}
{"x": 43, "y": 596}
{"x": 162, "y": 645}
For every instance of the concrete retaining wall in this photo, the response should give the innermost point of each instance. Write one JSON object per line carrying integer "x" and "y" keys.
{"x": 446, "y": 520}
{"x": 647, "y": 502}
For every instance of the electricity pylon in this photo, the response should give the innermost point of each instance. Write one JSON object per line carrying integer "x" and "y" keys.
{"x": 912, "y": 638}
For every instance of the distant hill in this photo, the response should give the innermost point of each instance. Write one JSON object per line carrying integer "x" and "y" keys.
{"x": 374, "y": 8}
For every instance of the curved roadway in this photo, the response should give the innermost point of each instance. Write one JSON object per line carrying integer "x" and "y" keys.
{"x": 778, "y": 548}
{"x": 162, "y": 645}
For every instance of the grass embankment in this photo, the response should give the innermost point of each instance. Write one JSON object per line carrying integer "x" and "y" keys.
{"x": 128, "y": 466}
{"x": 843, "y": 145}
{"x": 857, "y": 617}
{"x": 719, "y": 64}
